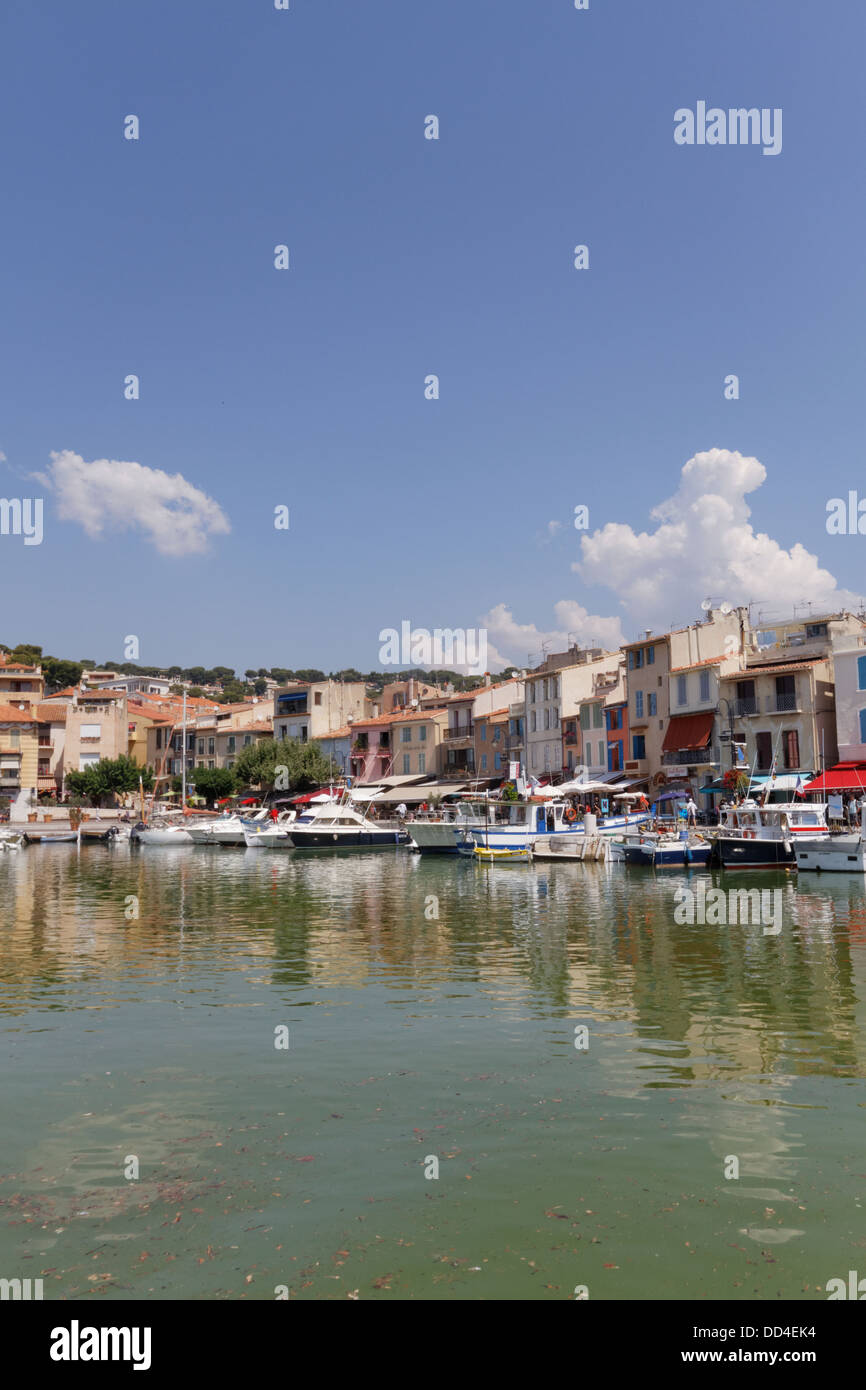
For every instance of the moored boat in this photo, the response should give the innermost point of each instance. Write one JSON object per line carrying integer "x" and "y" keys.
{"x": 753, "y": 836}
{"x": 337, "y": 825}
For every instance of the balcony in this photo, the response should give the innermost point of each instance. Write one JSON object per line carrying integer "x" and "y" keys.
{"x": 691, "y": 757}
{"x": 748, "y": 705}
{"x": 460, "y": 734}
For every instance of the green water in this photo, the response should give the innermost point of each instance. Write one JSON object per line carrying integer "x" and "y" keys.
{"x": 414, "y": 1036}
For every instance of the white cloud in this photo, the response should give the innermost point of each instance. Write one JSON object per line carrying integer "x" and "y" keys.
{"x": 107, "y": 494}
{"x": 553, "y": 527}
{"x": 510, "y": 641}
{"x": 705, "y": 545}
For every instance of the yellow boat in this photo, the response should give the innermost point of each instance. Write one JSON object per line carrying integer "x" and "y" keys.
{"x": 502, "y": 856}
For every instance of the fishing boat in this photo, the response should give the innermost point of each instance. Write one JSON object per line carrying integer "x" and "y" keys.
{"x": 753, "y": 836}
{"x": 483, "y": 855}
{"x": 659, "y": 850}
{"x": 337, "y": 825}
{"x": 520, "y": 824}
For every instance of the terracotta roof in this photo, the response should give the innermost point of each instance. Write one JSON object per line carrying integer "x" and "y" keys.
{"x": 707, "y": 661}
{"x": 9, "y": 714}
{"x": 345, "y": 732}
{"x": 494, "y": 714}
{"x": 397, "y": 716}
{"x": 51, "y": 714}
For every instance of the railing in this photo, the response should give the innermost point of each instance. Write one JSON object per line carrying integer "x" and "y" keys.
{"x": 748, "y": 705}
{"x": 691, "y": 757}
{"x": 782, "y": 704}
{"x": 460, "y": 731}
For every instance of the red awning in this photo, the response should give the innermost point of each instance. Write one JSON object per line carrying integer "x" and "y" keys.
{"x": 688, "y": 731}
{"x": 842, "y": 777}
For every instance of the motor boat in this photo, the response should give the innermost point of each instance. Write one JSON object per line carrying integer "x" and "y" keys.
{"x": 843, "y": 853}
{"x": 754, "y": 836}
{"x": 11, "y": 840}
{"x": 441, "y": 831}
{"x": 337, "y": 825}
{"x": 269, "y": 834}
{"x": 160, "y": 835}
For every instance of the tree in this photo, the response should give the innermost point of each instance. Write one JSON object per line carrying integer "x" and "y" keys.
{"x": 59, "y": 674}
{"x": 310, "y": 675}
{"x": 260, "y": 687}
{"x": 305, "y": 765}
{"x": 213, "y": 782}
{"x": 108, "y": 778}
{"x": 27, "y": 654}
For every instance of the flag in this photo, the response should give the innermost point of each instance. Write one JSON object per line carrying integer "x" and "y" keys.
{"x": 798, "y": 790}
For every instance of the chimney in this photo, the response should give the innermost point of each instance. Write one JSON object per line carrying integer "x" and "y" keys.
{"x": 487, "y": 678}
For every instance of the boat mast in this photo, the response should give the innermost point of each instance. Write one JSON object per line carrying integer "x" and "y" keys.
{"x": 183, "y": 758}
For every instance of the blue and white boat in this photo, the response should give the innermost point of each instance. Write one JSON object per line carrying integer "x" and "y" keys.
{"x": 520, "y": 824}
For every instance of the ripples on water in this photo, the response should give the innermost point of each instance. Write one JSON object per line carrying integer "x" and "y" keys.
{"x": 431, "y": 1008}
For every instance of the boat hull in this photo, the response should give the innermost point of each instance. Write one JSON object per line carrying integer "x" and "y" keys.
{"x": 162, "y": 837}
{"x": 842, "y": 854}
{"x": 345, "y": 839}
{"x": 735, "y": 853}
{"x": 522, "y": 837}
{"x": 436, "y": 837}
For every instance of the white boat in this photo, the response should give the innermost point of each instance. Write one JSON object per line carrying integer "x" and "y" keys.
{"x": 441, "y": 831}
{"x": 268, "y": 834}
{"x": 11, "y": 840}
{"x": 520, "y": 824}
{"x": 337, "y": 825}
{"x": 161, "y": 835}
{"x": 835, "y": 854}
{"x": 754, "y": 836}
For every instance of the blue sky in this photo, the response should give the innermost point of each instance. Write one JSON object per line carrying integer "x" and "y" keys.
{"x": 410, "y": 257}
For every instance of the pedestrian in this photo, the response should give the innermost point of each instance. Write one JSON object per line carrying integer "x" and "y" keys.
{"x": 852, "y": 810}
{"x": 402, "y": 810}
{"x": 692, "y": 811}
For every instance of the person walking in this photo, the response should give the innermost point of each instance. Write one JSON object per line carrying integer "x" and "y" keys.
{"x": 692, "y": 811}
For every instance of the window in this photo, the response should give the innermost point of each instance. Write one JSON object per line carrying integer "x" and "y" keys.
{"x": 200, "y": 745}
{"x": 532, "y": 723}
{"x": 766, "y": 639}
{"x": 638, "y": 703}
{"x": 682, "y": 690}
{"x": 614, "y": 719}
{"x": 546, "y": 718}
{"x": 405, "y": 735}
{"x": 631, "y": 661}
{"x": 484, "y": 732}
{"x": 44, "y": 767}
{"x": 91, "y": 731}
{"x": 497, "y": 734}
{"x": 614, "y": 757}
{"x": 210, "y": 764}
{"x": 638, "y": 746}
{"x": 863, "y": 726}
{"x": 791, "y": 742}
{"x": 407, "y": 762}
{"x": 651, "y": 703}
{"x": 601, "y": 758}
{"x": 816, "y": 629}
{"x": 422, "y": 734}
{"x": 211, "y": 747}
{"x": 483, "y": 762}
{"x": 230, "y": 744}
{"x": 597, "y": 716}
{"x": 638, "y": 659}
{"x": 422, "y": 762}
{"x": 650, "y": 655}
{"x": 248, "y": 738}
{"x": 535, "y": 756}
{"x": 705, "y": 686}
{"x": 317, "y": 698}
{"x": 497, "y": 761}
{"x": 861, "y": 673}
{"x": 585, "y": 716}
{"x": 764, "y": 750}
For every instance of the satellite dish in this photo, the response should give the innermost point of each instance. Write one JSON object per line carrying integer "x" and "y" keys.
{"x": 726, "y": 608}
{"x": 707, "y": 604}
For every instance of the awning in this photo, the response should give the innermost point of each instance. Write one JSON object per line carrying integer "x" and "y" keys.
{"x": 842, "y": 777}
{"x": 689, "y": 731}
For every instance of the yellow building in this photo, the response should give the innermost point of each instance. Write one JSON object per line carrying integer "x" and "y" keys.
{"x": 19, "y": 750}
